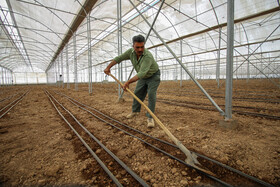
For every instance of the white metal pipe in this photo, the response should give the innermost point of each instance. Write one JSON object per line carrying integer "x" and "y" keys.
{"x": 229, "y": 66}
{"x": 89, "y": 55}
{"x": 170, "y": 50}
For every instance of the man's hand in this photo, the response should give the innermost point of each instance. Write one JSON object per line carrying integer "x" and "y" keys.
{"x": 126, "y": 86}
{"x": 133, "y": 79}
{"x": 107, "y": 71}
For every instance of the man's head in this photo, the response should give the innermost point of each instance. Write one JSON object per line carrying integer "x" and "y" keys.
{"x": 138, "y": 44}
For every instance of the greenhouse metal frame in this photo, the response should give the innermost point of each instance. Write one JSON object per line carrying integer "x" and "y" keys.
{"x": 73, "y": 41}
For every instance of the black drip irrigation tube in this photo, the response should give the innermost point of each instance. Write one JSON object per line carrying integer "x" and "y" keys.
{"x": 158, "y": 149}
{"x": 16, "y": 101}
{"x": 134, "y": 175}
{"x": 202, "y": 156}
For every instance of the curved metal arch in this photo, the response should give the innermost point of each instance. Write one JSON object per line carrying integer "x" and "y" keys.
{"x": 93, "y": 46}
{"x": 214, "y": 12}
{"x": 77, "y": 57}
{"x": 8, "y": 56}
{"x": 39, "y": 23}
{"x": 248, "y": 41}
{"x": 12, "y": 65}
{"x": 196, "y": 21}
{"x": 69, "y": 29}
{"x": 40, "y": 57}
{"x": 216, "y": 20}
{"x": 161, "y": 14}
{"x": 111, "y": 23}
{"x": 6, "y": 68}
{"x": 6, "y": 62}
{"x": 39, "y": 51}
{"x": 37, "y": 41}
{"x": 246, "y": 36}
{"x": 174, "y": 28}
{"x": 55, "y": 15}
{"x": 36, "y": 21}
{"x": 191, "y": 18}
{"x": 213, "y": 42}
{"x": 41, "y": 36}
{"x": 103, "y": 19}
{"x": 208, "y": 32}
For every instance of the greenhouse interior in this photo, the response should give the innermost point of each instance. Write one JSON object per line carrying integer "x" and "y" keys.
{"x": 217, "y": 113}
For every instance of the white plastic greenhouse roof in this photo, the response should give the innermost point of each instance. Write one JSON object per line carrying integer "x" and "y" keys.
{"x": 38, "y": 35}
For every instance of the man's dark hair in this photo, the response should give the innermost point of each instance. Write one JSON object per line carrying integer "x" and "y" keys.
{"x": 138, "y": 38}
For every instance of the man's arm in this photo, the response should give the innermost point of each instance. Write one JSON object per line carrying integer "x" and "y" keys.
{"x": 133, "y": 79}
{"x": 107, "y": 70}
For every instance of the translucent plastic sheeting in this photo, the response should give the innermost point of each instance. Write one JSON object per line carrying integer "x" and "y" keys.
{"x": 194, "y": 29}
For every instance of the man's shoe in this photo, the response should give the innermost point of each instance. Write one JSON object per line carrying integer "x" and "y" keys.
{"x": 151, "y": 123}
{"x": 132, "y": 114}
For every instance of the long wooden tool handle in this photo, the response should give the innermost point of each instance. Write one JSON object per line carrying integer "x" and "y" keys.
{"x": 152, "y": 114}
{"x": 190, "y": 158}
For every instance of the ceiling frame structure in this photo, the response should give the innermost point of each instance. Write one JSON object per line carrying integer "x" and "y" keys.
{"x": 199, "y": 30}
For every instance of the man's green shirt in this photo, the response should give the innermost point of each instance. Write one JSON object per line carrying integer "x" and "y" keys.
{"x": 145, "y": 67}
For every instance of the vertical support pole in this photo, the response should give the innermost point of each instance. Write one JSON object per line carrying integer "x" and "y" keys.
{"x": 4, "y": 77}
{"x": 59, "y": 73}
{"x": 11, "y": 78}
{"x": 156, "y": 54}
{"x": 176, "y": 72}
{"x": 194, "y": 66}
{"x": 37, "y": 78}
{"x": 96, "y": 75}
{"x": 236, "y": 62}
{"x": 181, "y": 69}
{"x": 200, "y": 70}
{"x": 62, "y": 73}
{"x": 67, "y": 67}
{"x": 75, "y": 62}
{"x": 55, "y": 69}
{"x": 219, "y": 59}
{"x": 229, "y": 65}
{"x": 47, "y": 77}
{"x": 1, "y": 77}
{"x": 89, "y": 55}
{"x": 119, "y": 17}
{"x": 170, "y": 50}
{"x": 8, "y": 77}
{"x": 26, "y": 78}
{"x": 248, "y": 65}
{"x": 162, "y": 70}
{"x": 15, "y": 79}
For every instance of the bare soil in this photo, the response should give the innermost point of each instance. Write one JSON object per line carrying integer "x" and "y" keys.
{"x": 38, "y": 148}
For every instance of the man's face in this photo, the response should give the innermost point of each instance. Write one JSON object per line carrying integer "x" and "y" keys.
{"x": 139, "y": 48}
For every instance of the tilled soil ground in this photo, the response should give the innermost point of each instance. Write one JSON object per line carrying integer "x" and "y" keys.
{"x": 38, "y": 148}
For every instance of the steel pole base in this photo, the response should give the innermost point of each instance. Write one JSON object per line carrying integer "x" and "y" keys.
{"x": 120, "y": 100}
{"x": 228, "y": 123}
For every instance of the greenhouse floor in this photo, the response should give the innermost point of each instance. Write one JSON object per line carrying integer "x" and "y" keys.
{"x": 39, "y": 148}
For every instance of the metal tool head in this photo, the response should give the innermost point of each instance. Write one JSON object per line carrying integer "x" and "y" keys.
{"x": 192, "y": 159}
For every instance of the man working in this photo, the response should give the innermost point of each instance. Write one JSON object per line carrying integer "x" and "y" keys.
{"x": 148, "y": 76}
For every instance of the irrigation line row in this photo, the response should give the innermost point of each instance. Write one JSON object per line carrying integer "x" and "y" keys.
{"x": 158, "y": 149}
{"x": 185, "y": 104}
{"x": 9, "y": 97}
{"x": 202, "y": 156}
{"x": 134, "y": 175}
{"x": 16, "y": 101}
{"x": 138, "y": 131}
